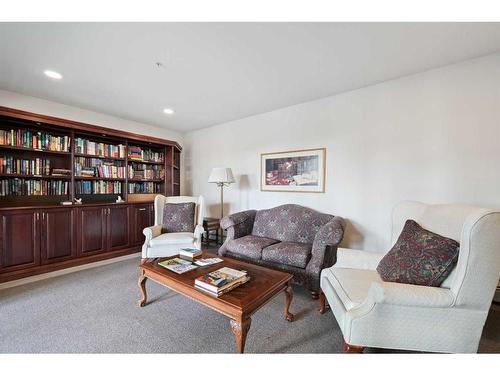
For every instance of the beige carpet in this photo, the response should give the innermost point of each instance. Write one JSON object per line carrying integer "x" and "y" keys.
{"x": 95, "y": 311}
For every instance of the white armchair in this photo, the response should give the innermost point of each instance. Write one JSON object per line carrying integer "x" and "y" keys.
{"x": 158, "y": 244}
{"x": 449, "y": 318}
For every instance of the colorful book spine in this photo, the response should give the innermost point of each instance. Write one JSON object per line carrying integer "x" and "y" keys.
{"x": 21, "y": 186}
{"x": 34, "y": 139}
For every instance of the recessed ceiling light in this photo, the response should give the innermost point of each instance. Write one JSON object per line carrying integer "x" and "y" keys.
{"x": 52, "y": 74}
{"x": 168, "y": 111}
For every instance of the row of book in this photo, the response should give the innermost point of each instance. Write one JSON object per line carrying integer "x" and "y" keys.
{"x": 144, "y": 188}
{"x": 98, "y": 187}
{"x": 11, "y": 165}
{"x": 92, "y": 167}
{"x": 85, "y": 146}
{"x": 34, "y": 139}
{"x": 20, "y": 186}
{"x": 138, "y": 153}
{"x": 146, "y": 172}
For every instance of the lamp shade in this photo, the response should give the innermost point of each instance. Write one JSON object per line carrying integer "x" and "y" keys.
{"x": 221, "y": 175}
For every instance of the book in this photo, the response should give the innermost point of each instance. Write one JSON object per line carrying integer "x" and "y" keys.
{"x": 221, "y": 279}
{"x": 207, "y": 261}
{"x": 190, "y": 253}
{"x": 178, "y": 265}
{"x": 224, "y": 291}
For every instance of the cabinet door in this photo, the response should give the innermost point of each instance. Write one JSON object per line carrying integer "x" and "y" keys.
{"x": 57, "y": 231}
{"x": 140, "y": 219}
{"x": 118, "y": 227}
{"x": 91, "y": 229}
{"x": 19, "y": 239}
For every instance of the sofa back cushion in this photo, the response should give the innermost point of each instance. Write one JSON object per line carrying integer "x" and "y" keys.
{"x": 419, "y": 257}
{"x": 289, "y": 222}
{"x": 178, "y": 217}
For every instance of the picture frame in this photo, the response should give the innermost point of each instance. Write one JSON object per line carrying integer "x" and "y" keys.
{"x": 300, "y": 171}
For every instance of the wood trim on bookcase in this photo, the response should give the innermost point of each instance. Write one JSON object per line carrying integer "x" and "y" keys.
{"x": 70, "y": 124}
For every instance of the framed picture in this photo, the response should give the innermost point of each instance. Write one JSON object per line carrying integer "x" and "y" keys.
{"x": 297, "y": 171}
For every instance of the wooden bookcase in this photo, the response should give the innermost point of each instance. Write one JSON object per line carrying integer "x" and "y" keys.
{"x": 37, "y": 233}
{"x": 161, "y": 174}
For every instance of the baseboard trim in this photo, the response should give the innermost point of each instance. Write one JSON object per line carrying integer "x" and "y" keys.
{"x": 64, "y": 271}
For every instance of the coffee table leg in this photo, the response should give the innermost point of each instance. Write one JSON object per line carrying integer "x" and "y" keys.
{"x": 142, "y": 287}
{"x": 240, "y": 330}
{"x": 288, "y": 300}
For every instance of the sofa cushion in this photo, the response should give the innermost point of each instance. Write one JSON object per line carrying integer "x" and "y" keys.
{"x": 289, "y": 253}
{"x": 419, "y": 257}
{"x": 178, "y": 217}
{"x": 249, "y": 246}
{"x": 172, "y": 238}
{"x": 289, "y": 222}
{"x": 350, "y": 284}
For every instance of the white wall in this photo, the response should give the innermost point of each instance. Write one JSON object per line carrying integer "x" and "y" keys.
{"x": 433, "y": 137}
{"x": 36, "y": 105}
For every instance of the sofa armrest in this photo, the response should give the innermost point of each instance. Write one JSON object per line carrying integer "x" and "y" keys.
{"x": 324, "y": 250}
{"x": 359, "y": 259}
{"x": 410, "y": 295}
{"x": 239, "y": 224}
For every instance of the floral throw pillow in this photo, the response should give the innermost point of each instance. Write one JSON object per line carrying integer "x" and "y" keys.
{"x": 419, "y": 257}
{"x": 178, "y": 217}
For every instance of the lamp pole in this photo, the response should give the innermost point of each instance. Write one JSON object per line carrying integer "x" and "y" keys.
{"x": 221, "y": 185}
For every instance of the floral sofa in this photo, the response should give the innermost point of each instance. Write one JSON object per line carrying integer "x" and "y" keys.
{"x": 290, "y": 237}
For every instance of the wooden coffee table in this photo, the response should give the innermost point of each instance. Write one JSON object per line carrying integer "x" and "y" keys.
{"x": 238, "y": 304}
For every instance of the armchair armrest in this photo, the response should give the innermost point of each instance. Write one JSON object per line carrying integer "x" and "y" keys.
{"x": 324, "y": 249}
{"x": 410, "y": 295}
{"x": 151, "y": 232}
{"x": 359, "y": 259}
{"x": 239, "y": 224}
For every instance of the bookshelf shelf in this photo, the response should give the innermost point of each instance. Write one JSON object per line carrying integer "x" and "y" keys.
{"x": 29, "y": 176}
{"x": 99, "y": 178}
{"x": 28, "y": 149}
{"x": 146, "y": 162}
{"x": 99, "y": 157}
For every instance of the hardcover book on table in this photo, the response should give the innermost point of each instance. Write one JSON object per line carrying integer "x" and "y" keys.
{"x": 220, "y": 280}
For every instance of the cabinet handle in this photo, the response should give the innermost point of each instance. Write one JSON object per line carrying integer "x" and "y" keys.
{"x": 43, "y": 215}
{"x": 37, "y": 216}
{"x": 142, "y": 209}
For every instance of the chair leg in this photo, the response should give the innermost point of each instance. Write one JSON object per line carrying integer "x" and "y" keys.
{"x": 352, "y": 349}
{"x": 322, "y": 302}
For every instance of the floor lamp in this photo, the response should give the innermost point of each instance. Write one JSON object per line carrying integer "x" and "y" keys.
{"x": 222, "y": 177}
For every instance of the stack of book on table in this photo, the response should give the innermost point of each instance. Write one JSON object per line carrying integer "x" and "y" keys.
{"x": 190, "y": 253}
{"x": 221, "y": 281}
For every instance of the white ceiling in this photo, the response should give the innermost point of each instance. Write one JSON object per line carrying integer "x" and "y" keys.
{"x": 216, "y": 72}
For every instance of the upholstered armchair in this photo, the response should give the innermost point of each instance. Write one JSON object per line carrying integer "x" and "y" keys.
{"x": 290, "y": 237}
{"x": 449, "y": 318}
{"x": 158, "y": 244}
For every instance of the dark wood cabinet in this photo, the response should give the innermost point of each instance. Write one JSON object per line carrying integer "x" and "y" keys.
{"x": 43, "y": 239}
{"x": 140, "y": 218}
{"x": 19, "y": 239}
{"x": 57, "y": 235}
{"x": 117, "y": 227}
{"x": 91, "y": 230}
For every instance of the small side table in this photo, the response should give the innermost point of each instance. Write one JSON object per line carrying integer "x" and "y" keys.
{"x": 211, "y": 224}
